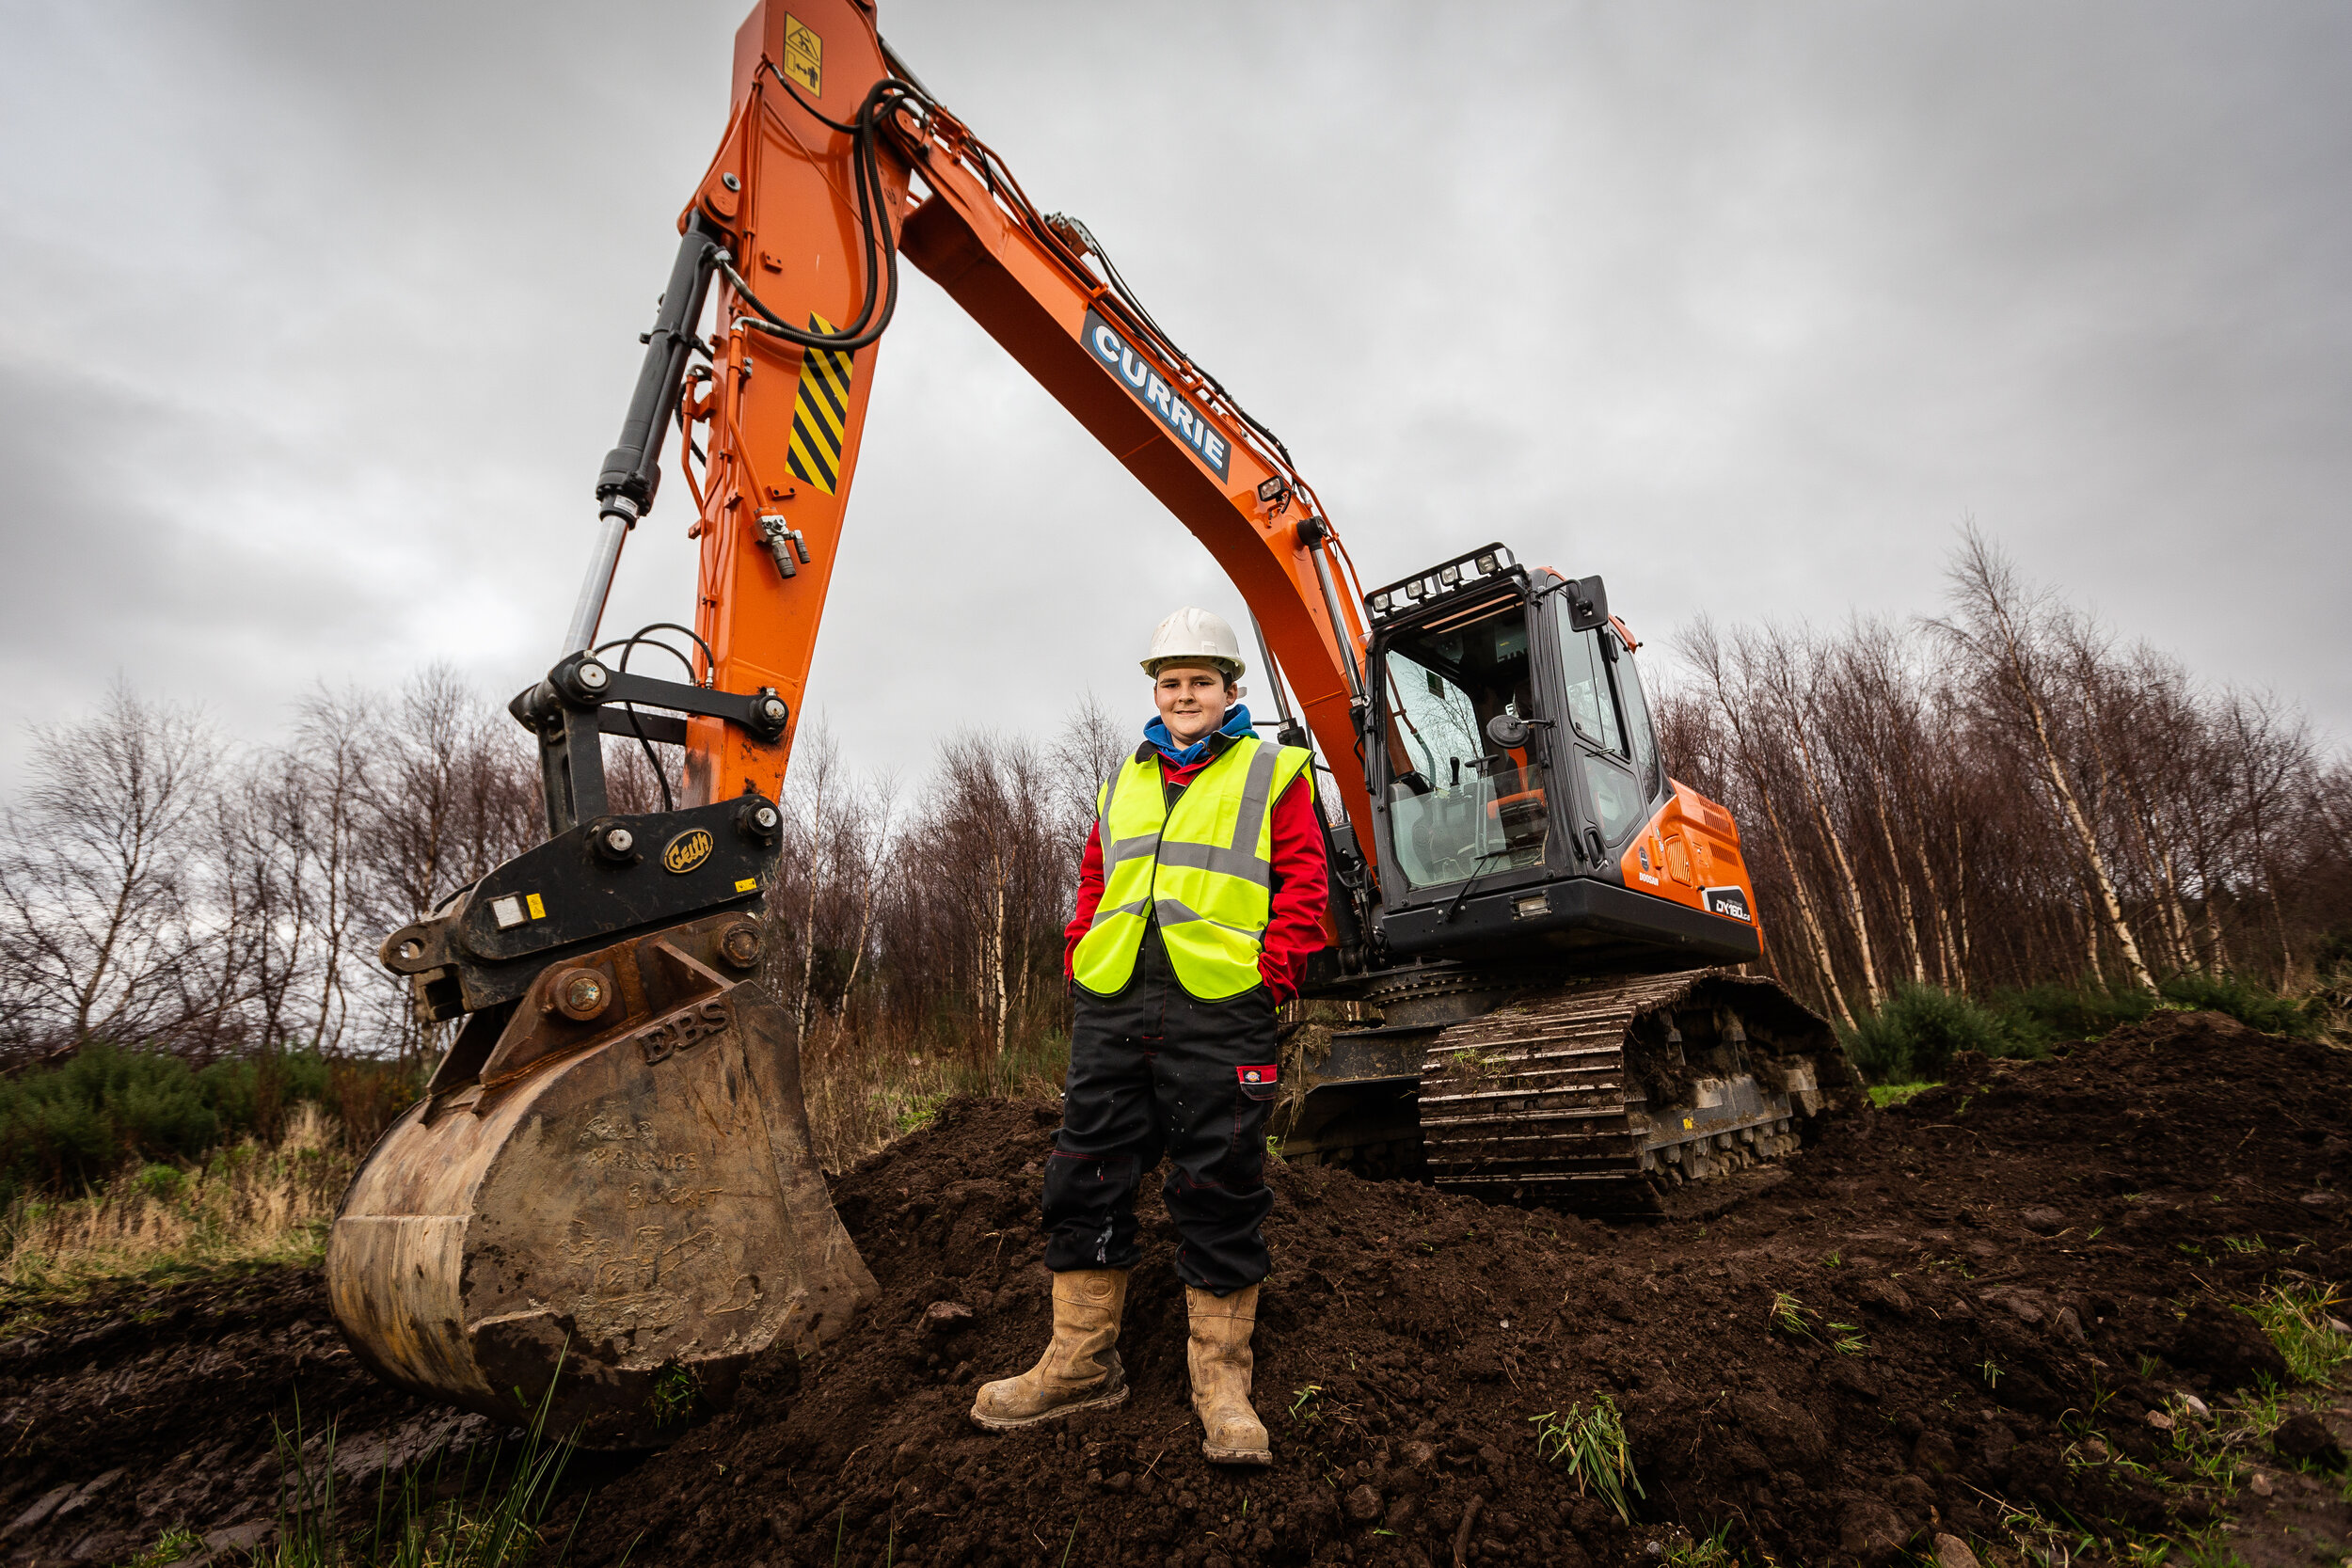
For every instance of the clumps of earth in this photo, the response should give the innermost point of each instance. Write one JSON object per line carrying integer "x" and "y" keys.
{"x": 2011, "y": 1303}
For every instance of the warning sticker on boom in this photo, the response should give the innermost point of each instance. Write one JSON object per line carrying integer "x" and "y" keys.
{"x": 820, "y": 413}
{"x": 1183, "y": 422}
{"x": 804, "y": 55}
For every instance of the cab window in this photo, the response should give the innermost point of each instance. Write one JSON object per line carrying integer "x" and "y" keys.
{"x": 1637, "y": 721}
{"x": 1591, "y": 706}
{"x": 1615, "y": 750}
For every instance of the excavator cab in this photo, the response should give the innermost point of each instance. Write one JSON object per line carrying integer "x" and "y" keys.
{"x": 1516, "y": 784}
{"x": 1549, "y": 906}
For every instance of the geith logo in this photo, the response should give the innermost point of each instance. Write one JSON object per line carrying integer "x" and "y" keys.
{"x": 1183, "y": 422}
{"x": 688, "y": 851}
{"x": 1727, "y": 902}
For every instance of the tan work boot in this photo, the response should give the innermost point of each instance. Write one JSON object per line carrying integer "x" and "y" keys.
{"x": 1218, "y": 1355}
{"x": 1079, "y": 1370}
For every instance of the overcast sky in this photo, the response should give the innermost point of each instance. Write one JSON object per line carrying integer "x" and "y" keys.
{"x": 318, "y": 318}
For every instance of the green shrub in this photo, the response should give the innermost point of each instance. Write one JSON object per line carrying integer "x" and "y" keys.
{"x": 252, "y": 1094}
{"x": 161, "y": 1182}
{"x": 2252, "y": 1004}
{"x": 2043, "y": 1014}
{"x": 1912, "y": 1036}
{"x": 66, "y": 1126}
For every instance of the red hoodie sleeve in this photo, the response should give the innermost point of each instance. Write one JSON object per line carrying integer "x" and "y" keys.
{"x": 1090, "y": 895}
{"x": 1301, "y": 889}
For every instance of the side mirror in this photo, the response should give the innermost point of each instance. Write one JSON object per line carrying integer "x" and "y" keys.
{"x": 1588, "y": 604}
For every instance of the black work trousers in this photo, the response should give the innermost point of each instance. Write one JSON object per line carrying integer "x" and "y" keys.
{"x": 1155, "y": 1072}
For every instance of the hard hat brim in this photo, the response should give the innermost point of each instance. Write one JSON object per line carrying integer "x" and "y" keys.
{"x": 1231, "y": 669}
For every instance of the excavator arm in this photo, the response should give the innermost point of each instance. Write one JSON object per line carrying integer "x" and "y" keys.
{"x": 833, "y": 168}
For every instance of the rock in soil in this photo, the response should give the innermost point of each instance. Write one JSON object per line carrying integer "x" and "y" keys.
{"x": 1411, "y": 1346}
{"x": 1952, "y": 1552}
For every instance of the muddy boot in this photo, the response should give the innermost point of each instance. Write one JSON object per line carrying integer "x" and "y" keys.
{"x": 1219, "y": 1358}
{"x": 1079, "y": 1370}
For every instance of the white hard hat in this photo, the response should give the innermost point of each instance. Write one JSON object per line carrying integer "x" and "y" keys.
{"x": 1195, "y": 636}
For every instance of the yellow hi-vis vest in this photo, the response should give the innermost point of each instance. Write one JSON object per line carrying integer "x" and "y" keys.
{"x": 1205, "y": 871}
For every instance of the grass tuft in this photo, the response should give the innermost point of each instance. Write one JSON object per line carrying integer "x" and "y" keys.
{"x": 169, "y": 1547}
{"x": 675, "y": 1392}
{"x": 2297, "y": 1323}
{"x": 1592, "y": 1444}
{"x": 1712, "y": 1550}
{"x": 496, "y": 1519}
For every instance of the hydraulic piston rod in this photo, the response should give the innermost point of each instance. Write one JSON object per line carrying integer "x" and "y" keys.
{"x": 632, "y": 470}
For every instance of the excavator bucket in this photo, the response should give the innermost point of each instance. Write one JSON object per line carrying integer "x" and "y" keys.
{"x": 608, "y": 1192}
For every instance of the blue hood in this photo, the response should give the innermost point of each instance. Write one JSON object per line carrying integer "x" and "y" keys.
{"x": 1236, "y": 724}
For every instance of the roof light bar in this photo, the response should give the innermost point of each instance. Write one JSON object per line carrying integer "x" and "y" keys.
{"x": 1472, "y": 570}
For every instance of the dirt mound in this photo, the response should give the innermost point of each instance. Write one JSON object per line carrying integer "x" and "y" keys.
{"x": 1882, "y": 1345}
{"x": 1911, "y": 1326}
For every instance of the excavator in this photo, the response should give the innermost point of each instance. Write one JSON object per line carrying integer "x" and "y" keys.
{"x": 607, "y": 1194}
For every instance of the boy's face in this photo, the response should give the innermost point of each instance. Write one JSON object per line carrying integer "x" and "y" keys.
{"x": 1191, "y": 699}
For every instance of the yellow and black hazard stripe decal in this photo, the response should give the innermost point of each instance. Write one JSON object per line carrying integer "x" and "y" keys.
{"x": 820, "y": 413}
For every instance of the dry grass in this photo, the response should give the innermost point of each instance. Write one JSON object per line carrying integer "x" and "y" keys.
{"x": 256, "y": 1204}
{"x": 248, "y": 1204}
{"x": 862, "y": 1093}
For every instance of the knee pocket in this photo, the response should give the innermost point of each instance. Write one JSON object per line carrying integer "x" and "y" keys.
{"x": 1081, "y": 1178}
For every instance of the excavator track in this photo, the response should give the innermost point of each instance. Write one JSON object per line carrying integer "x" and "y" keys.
{"x": 1650, "y": 1095}
{"x": 1660, "y": 1097}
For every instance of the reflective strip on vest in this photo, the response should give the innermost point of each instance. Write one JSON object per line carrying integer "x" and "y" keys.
{"x": 1207, "y": 884}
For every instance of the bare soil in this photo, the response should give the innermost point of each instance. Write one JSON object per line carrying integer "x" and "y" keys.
{"x": 2015, "y": 1262}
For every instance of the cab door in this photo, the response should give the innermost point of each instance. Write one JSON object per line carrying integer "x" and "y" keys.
{"x": 1603, "y": 740}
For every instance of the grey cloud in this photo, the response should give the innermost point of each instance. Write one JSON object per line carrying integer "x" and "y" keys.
{"x": 1745, "y": 309}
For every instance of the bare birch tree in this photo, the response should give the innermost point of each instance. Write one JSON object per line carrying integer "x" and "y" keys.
{"x": 2004, "y": 627}
{"x": 94, "y": 879}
